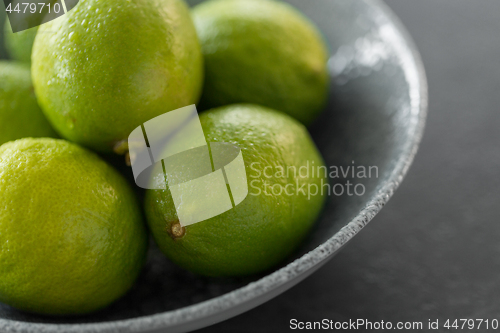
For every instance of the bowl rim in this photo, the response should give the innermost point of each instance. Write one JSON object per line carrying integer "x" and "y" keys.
{"x": 287, "y": 276}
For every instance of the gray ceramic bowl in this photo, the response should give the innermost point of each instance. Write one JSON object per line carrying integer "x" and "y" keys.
{"x": 375, "y": 118}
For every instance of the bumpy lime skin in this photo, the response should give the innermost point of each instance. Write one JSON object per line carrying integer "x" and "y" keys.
{"x": 262, "y": 52}
{"x": 20, "y": 115}
{"x": 72, "y": 238}
{"x": 265, "y": 228}
{"x": 20, "y": 44}
{"x": 109, "y": 65}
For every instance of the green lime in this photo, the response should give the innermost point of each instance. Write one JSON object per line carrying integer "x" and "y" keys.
{"x": 285, "y": 196}
{"x": 262, "y": 52}
{"x": 19, "y": 44}
{"x": 108, "y": 66}
{"x": 20, "y": 115}
{"x": 72, "y": 238}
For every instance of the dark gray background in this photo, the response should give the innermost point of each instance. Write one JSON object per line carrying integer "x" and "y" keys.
{"x": 434, "y": 251}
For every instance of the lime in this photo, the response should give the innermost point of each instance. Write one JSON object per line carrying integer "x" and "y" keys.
{"x": 72, "y": 237}
{"x": 285, "y": 196}
{"x": 20, "y": 115}
{"x": 107, "y": 66}
{"x": 19, "y": 44}
{"x": 263, "y": 52}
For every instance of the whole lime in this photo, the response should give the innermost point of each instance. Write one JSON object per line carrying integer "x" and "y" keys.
{"x": 263, "y": 52}
{"x": 20, "y": 115}
{"x": 107, "y": 66}
{"x": 72, "y": 239}
{"x": 19, "y": 44}
{"x": 286, "y": 194}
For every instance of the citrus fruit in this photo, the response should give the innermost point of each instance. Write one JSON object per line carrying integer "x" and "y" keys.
{"x": 72, "y": 239}
{"x": 281, "y": 206}
{"x": 20, "y": 115}
{"x": 107, "y": 66}
{"x": 19, "y": 44}
{"x": 263, "y": 52}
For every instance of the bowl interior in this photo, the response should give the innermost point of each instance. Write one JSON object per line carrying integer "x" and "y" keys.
{"x": 373, "y": 122}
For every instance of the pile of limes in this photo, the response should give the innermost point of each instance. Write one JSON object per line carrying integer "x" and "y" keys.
{"x": 72, "y": 235}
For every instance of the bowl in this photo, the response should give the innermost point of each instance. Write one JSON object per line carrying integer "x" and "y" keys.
{"x": 374, "y": 120}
